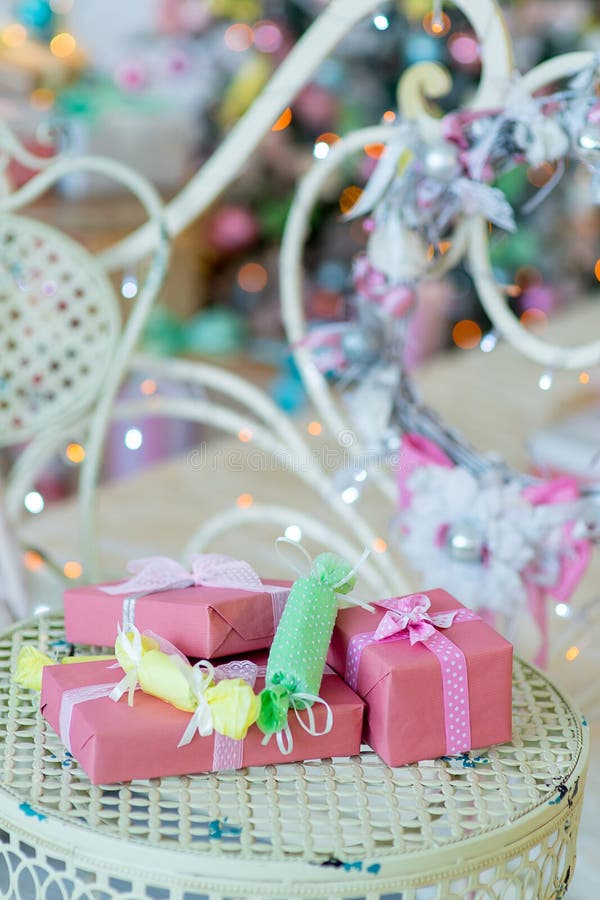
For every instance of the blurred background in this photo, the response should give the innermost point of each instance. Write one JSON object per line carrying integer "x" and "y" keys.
{"x": 158, "y": 83}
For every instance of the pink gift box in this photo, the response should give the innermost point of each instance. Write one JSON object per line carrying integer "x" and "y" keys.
{"x": 408, "y": 715}
{"x": 200, "y": 621}
{"x": 115, "y": 742}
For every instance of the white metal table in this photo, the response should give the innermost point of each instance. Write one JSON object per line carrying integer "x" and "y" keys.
{"x": 498, "y": 825}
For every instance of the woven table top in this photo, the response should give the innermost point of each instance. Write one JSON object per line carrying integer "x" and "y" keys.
{"x": 326, "y": 811}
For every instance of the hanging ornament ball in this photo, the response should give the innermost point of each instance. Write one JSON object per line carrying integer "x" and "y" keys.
{"x": 465, "y": 541}
{"x": 232, "y": 227}
{"x": 164, "y": 333}
{"x": 218, "y": 330}
{"x": 588, "y": 144}
{"x": 441, "y": 161}
{"x": 360, "y": 347}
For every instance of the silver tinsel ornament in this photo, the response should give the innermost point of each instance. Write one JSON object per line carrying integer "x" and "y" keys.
{"x": 465, "y": 541}
{"x": 441, "y": 161}
{"x": 361, "y": 347}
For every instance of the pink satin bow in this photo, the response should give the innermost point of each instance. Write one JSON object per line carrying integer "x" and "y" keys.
{"x": 161, "y": 573}
{"x": 410, "y": 614}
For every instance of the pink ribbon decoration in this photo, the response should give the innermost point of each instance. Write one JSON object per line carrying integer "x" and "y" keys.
{"x": 394, "y": 300}
{"x": 575, "y": 553}
{"x": 153, "y": 574}
{"x": 161, "y": 573}
{"x": 325, "y": 344}
{"x": 574, "y": 560}
{"x": 407, "y": 618}
{"x": 227, "y": 752}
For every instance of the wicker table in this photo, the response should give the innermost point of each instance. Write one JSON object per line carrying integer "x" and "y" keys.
{"x": 499, "y": 825}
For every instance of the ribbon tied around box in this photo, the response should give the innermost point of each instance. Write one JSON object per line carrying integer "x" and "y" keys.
{"x": 153, "y": 574}
{"x": 408, "y": 618}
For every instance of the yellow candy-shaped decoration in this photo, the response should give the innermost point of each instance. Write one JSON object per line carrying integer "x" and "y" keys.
{"x": 234, "y": 707}
{"x": 168, "y": 678}
{"x": 124, "y": 658}
{"x": 30, "y": 663}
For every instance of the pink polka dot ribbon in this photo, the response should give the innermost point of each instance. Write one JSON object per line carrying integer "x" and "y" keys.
{"x": 407, "y": 618}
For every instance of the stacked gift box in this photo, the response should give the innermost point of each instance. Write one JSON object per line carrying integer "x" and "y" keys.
{"x": 217, "y": 669}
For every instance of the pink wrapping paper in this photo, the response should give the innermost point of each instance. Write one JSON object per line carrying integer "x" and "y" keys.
{"x": 114, "y": 742}
{"x": 402, "y": 685}
{"x": 200, "y": 621}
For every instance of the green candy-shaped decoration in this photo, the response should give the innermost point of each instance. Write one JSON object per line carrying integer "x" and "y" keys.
{"x": 299, "y": 650}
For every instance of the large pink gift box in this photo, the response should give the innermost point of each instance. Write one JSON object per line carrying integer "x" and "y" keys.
{"x": 436, "y": 679}
{"x": 201, "y": 621}
{"x": 115, "y": 742}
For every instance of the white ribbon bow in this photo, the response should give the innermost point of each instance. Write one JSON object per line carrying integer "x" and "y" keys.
{"x": 133, "y": 649}
{"x": 200, "y": 677}
{"x": 285, "y": 741}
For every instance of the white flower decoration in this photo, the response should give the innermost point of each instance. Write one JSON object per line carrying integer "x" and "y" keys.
{"x": 516, "y": 536}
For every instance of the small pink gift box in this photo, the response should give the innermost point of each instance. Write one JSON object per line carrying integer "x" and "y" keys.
{"x": 221, "y": 608}
{"x": 115, "y": 742}
{"x": 436, "y": 679}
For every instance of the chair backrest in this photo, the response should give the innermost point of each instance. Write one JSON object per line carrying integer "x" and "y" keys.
{"x": 59, "y": 325}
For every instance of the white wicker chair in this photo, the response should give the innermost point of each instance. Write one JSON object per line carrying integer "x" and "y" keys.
{"x": 64, "y": 348}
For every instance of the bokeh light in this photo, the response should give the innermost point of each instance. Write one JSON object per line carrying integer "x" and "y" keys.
{"x": 466, "y": 334}
{"x": 436, "y": 26}
{"x": 584, "y": 377}
{"x": 245, "y": 435}
{"x": 379, "y": 545}
{"x": 75, "y": 453}
{"x": 349, "y": 197}
{"x": 14, "y": 35}
{"x": 33, "y": 560}
{"x": 464, "y": 48}
{"x": 293, "y": 533}
{"x": 534, "y": 319}
{"x": 389, "y": 116}
{"x": 572, "y": 653}
{"x": 239, "y": 37}
{"x": 381, "y": 22}
{"x": 252, "y": 277}
{"x": 267, "y": 37}
{"x": 597, "y": 269}
{"x": 283, "y": 121}
{"x": 73, "y": 569}
{"x": 129, "y": 287}
{"x": 374, "y": 151}
{"x": 133, "y": 439}
{"x": 314, "y": 428}
{"x": 63, "y": 45}
{"x": 245, "y": 501}
{"x": 34, "y": 502}
{"x": 148, "y": 387}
